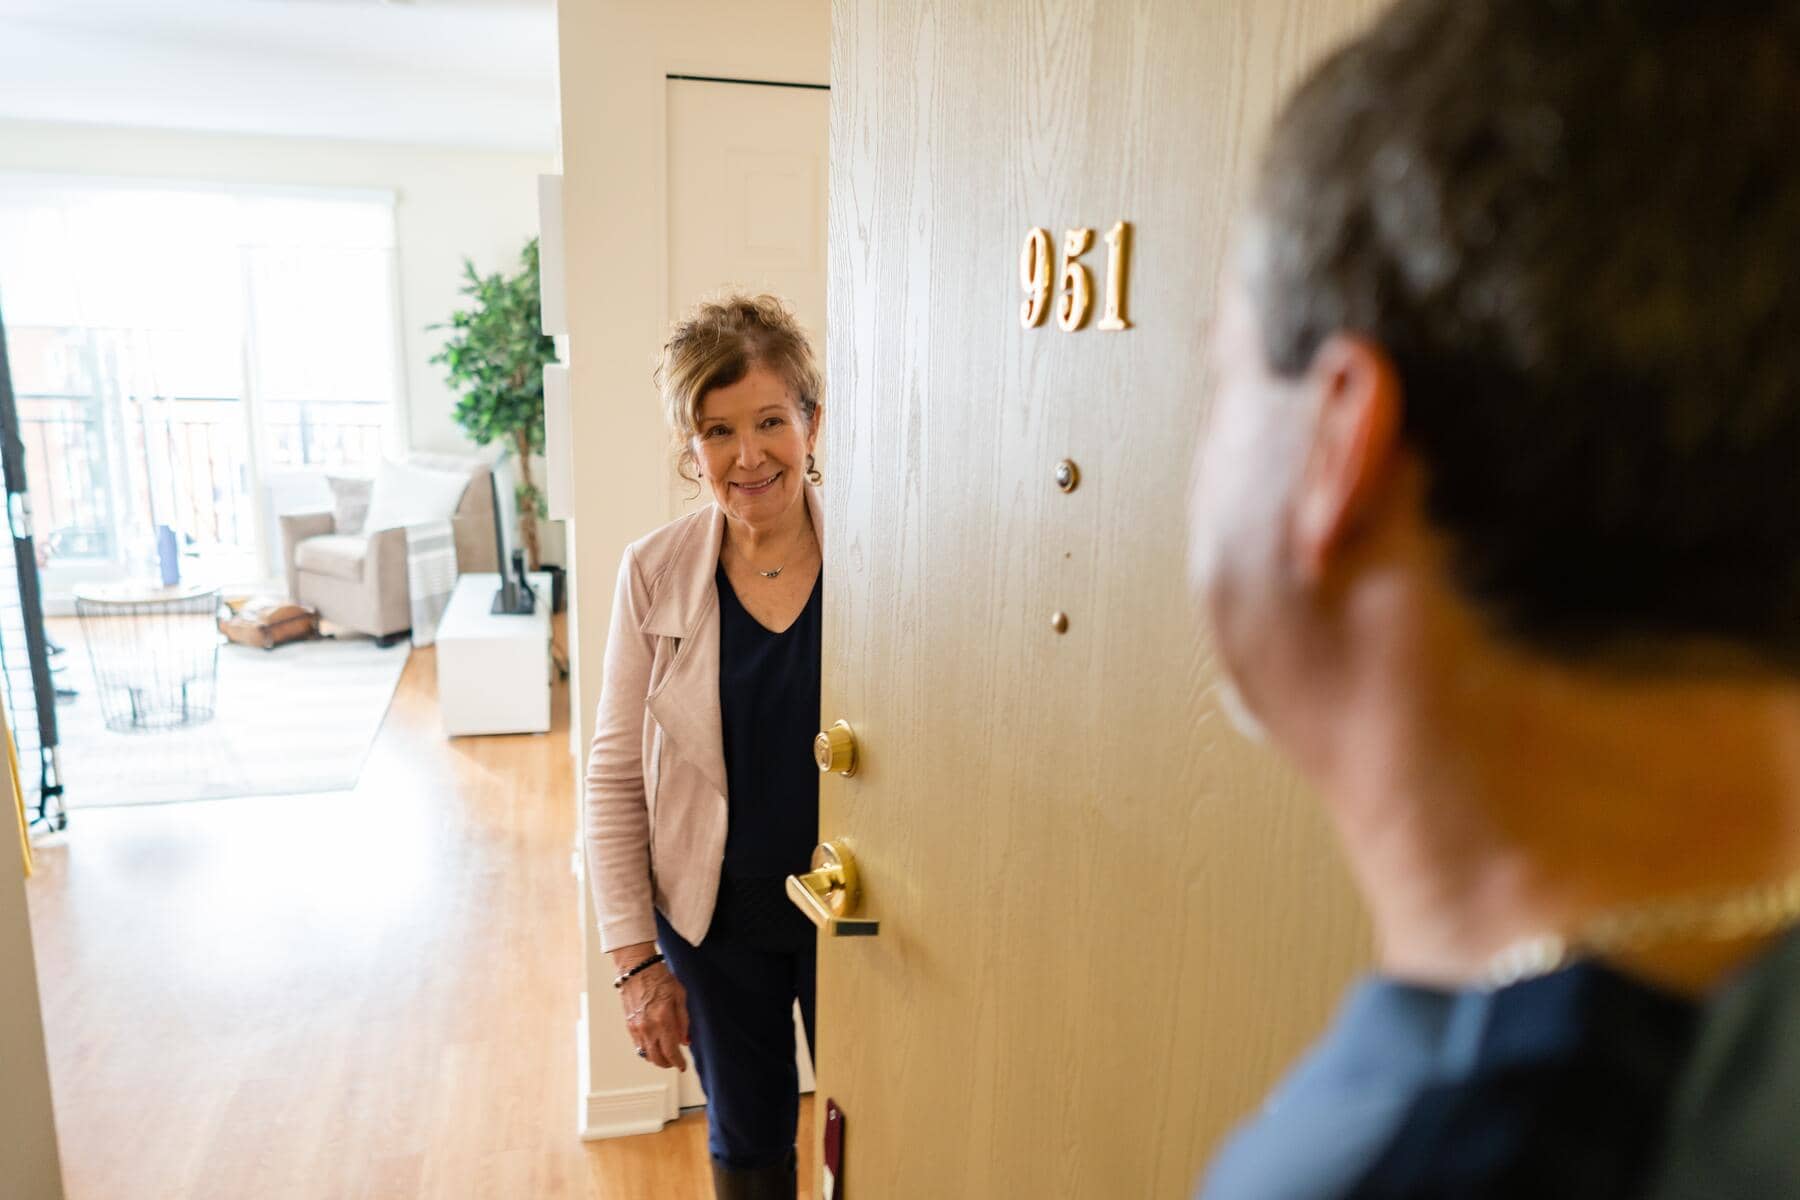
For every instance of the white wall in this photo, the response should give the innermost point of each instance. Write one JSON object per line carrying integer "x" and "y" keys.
{"x": 616, "y": 56}
{"x": 448, "y": 204}
{"x": 28, "y": 1159}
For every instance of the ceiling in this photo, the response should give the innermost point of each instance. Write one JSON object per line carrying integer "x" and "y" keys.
{"x": 467, "y": 73}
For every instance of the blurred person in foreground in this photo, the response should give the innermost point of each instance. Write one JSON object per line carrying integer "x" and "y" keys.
{"x": 1498, "y": 523}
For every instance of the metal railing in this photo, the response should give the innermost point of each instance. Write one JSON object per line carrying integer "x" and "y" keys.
{"x": 204, "y": 440}
{"x": 323, "y": 433}
{"x": 208, "y": 452}
{"x": 65, "y": 467}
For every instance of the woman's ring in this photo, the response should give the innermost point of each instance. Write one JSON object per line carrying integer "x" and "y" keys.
{"x": 643, "y": 1053}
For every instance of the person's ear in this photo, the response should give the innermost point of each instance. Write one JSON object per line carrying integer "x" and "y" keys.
{"x": 814, "y": 428}
{"x": 1355, "y": 452}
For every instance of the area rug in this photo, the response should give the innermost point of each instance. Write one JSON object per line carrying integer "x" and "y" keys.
{"x": 299, "y": 718}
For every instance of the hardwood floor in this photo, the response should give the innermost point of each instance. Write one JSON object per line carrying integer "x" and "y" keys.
{"x": 674, "y": 1162}
{"x": 366, "y": 994}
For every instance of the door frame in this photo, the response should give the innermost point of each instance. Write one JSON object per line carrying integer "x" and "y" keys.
{"x": 616, "y": 57}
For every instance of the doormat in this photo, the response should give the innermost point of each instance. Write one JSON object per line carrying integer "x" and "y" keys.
{"x": 299, "y": 718}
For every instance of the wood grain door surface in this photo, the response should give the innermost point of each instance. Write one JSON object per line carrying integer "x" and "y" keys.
{"x": 1107, "y": 922}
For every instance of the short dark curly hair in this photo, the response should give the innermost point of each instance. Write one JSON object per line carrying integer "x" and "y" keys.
{"x": 1575, "y": 226}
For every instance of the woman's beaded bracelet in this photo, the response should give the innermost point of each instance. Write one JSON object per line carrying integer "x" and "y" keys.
{"x": 643, "y": 966}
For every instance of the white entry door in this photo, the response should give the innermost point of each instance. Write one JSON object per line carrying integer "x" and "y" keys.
{"x": 747, "y": 175}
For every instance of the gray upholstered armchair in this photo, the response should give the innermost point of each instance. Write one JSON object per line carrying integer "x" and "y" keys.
{"x": 357, "y": 578}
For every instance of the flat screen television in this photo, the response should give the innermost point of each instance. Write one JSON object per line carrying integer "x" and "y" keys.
{"x": 514, "y": 597}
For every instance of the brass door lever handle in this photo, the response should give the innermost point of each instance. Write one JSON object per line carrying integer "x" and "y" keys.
{"x": 831, "y": 891}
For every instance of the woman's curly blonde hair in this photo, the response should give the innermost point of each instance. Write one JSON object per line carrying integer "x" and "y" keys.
{"x": 715, "y": 345}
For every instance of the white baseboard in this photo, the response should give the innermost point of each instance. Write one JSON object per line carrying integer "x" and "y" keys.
{"x": 624, "y": 1112}
{"x": 619, "y": 1112}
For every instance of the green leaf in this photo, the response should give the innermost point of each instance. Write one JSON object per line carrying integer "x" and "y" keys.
{"x": 494, "y": 359}
{"x": 495, "y": 355}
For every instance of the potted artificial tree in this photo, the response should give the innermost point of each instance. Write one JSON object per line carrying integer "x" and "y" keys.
{"x": 495, "y": 359}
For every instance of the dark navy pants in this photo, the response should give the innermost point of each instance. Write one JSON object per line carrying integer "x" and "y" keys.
{"x": 740, "y": 1002}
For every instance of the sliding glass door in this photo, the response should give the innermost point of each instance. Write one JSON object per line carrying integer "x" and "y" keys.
{"x": 63, "y": 425}
{"x": 180, "y": 351}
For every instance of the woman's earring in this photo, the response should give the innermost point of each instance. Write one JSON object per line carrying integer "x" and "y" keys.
{"x": 813, "y": 475}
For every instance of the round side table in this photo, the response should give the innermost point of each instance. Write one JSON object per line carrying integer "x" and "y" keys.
{"x": 155, "y": 652}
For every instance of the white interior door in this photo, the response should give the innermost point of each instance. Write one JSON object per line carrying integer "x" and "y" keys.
{"x": 747, "y": 177}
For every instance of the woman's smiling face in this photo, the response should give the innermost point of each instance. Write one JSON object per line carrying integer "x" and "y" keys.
{"x": 751, "y": 443}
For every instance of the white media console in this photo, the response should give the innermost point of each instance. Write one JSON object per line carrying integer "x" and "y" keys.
{"x": 493, "y": 670}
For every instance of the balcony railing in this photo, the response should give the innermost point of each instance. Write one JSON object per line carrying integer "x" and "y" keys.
{"x": 65, "y": 465}
{"x": 191, "y": 450}
{"x": 208, "y": 452}
{"x": 323, "y": 434}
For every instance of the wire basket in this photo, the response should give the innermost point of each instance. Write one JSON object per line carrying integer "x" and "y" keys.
{"x": 155, "y": 653}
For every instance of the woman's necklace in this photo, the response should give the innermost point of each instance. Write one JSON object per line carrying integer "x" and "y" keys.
{"x": 1732, "y": 916}
{"x": 776, "y": 573}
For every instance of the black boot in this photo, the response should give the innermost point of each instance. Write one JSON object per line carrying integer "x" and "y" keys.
{"x": 755, "y": 1183}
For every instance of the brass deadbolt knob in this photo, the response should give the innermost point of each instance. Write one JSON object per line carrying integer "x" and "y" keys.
{"x": 835, "y": 750}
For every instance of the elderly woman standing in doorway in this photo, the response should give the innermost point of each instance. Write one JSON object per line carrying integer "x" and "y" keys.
{"x": 702, "y": 795}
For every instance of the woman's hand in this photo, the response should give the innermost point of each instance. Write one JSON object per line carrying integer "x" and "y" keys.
{"x": 655, "y": 1006}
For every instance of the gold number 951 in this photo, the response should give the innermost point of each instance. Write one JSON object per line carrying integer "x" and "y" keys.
{"x": 1076, "y": 298}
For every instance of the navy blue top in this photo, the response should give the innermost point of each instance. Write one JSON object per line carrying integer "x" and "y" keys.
{"x": 769, "y": 706}
{"x": 1584, "y": 1083}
